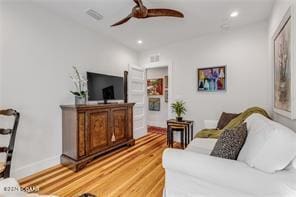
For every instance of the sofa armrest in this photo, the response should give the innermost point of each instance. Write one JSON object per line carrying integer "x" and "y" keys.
{"x": 210, "y": 124}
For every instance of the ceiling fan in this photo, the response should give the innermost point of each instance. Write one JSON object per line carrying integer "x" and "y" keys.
{"x": 141, "y": 12}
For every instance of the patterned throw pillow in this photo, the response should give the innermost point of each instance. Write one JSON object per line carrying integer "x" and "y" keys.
{"x": 230, "y": 142}
{"x": 225, "y": 118}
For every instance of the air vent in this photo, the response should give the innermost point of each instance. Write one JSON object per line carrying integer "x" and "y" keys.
{"x": 154, "y": 58}
{"x": 225, "y": 27}
{"x": 94, "y": 14}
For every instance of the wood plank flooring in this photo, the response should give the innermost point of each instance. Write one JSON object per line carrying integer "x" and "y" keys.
{"x": 134, "y": 171}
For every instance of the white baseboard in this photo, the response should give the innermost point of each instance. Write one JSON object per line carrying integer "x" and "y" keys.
{"x": 156, "y": 124}
{"x": 35, "y": 167}
{"x": 140, "y": 132}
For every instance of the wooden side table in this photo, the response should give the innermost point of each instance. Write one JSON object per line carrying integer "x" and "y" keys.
{"x": 186, "y": 129}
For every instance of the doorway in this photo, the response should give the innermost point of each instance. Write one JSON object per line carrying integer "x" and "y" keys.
{"x": 158, "y": 97}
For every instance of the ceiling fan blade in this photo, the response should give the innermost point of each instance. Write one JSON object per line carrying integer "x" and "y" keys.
{"x": 123, "y": 20}
{"x": 139, "y": 3}
{"x": 164, "y": 12}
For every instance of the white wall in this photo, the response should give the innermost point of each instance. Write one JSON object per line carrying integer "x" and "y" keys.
{"x": 279, "y": 10}
{"x": 38, "y": 51}
{"x": 244, "y": 51}
{"x": 1, "y": 58}
{"x": 158, "y": 118}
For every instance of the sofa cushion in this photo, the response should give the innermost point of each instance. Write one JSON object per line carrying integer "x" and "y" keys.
{"x": 182, "y": 185}
{"x": 269, "y": 146}
{"x": 230, "y": 142}
{"x": 202, "y": 145}
{"x": 225, "y": 118}
{"x": 258, "y": 132}
{"x": 279, "y": 150}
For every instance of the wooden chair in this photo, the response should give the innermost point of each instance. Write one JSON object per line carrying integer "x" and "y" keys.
{"x": 5, "y": 167}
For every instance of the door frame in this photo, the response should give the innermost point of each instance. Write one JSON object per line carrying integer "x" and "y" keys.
{"x": 169, "y": 65}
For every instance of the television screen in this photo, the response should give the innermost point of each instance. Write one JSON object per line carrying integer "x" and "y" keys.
{"x": 104, "y": 87}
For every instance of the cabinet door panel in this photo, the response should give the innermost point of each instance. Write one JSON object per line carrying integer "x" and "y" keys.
{"x": 130, "y": 122}
{"x": 98, "y": 130}
{"x": 119, "y": 120}
{"x": 81, "y": 134}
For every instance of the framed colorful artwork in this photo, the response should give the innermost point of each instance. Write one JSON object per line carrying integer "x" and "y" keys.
{"x": 212, "y": 79}
{"x": 284, "y": 66}
{"x": 154, "y": 87}
{"x": 154, "y": 104}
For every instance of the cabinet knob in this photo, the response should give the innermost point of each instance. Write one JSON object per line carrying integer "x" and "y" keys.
{"x": 113, "y": 138}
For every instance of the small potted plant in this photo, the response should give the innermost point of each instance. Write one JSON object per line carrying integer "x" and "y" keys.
{"x": 178, "y": 107}
{"x": 80, "y": 84}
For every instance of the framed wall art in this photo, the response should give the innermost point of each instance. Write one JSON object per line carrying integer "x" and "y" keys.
{"x": 154, "y": 104}
{"x": 154, "y": 87}
{"x": 284, "y": 67}
{"x": 212, "y": 79}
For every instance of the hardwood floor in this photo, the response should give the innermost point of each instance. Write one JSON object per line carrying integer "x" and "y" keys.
{"x": 134, "y": 171}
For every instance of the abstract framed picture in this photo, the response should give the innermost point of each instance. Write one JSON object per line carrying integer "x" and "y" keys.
{"x": 284, "y": 67}
{"x": 154, "y": 104}
{"x": 212, "y": 79}
{"x": 155, "y": 87}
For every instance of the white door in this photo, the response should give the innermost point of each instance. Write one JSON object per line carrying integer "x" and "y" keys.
{"x": 137, "y": 94}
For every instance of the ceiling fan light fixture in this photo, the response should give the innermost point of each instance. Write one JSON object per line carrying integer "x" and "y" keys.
{"x": 234, "y": 14}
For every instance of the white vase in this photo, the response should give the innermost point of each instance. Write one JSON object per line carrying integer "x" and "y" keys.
{"x": 80, "y": 100}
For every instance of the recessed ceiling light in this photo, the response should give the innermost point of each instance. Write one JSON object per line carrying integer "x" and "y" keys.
{"x": 234, "y": 14}
{"x": 140, "y": 42}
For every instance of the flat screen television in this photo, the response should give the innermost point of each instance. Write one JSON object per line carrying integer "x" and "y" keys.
{"x": 104, "y": 87}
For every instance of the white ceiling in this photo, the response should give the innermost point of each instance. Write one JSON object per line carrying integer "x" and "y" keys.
{"x": 201, "y": 17}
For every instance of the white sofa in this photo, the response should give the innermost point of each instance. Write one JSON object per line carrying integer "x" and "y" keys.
{"x": 193, "y": 172}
